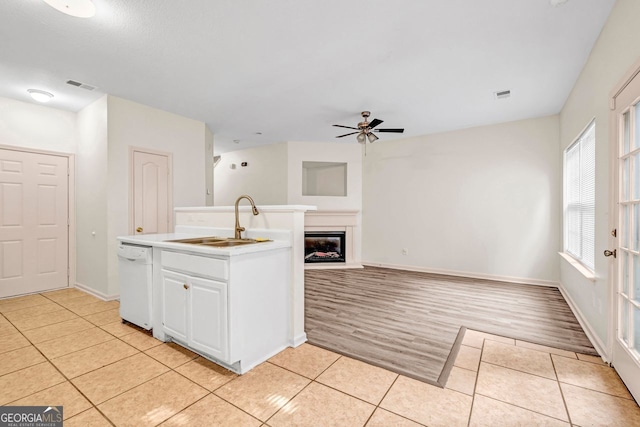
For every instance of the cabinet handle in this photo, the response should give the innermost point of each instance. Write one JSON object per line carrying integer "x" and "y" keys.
{"x": 185, "y": 286}
{"x": 139, "y": 230}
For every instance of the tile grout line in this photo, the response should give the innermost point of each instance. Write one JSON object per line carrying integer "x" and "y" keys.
{"x": 631, "y": 399}
{"x": 382, "y": 400}
{"x": 521, "y": 371}
{"x": 211, "y": 393}
{"x": 564, "y": 401}
{"x": 376, "y": 406}
{"x": 513, "y": 404}
{"x": 475, "y": 384}
{"x": 509, "y": 403}
{"x": 312, "y": 380}
{"x": 301, "y": 390}
{"x": 47, "y": 360}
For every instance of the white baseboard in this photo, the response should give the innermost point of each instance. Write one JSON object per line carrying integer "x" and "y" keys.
{"x": 332, "y": 266}
{"x": 586, "y": 326}
{"x": 299, "y": 340}
{"x": 508, "y": 279}
{"x": 95, "y": 293}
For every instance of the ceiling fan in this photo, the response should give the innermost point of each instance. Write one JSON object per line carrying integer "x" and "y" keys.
{"x": 365, "y": 129}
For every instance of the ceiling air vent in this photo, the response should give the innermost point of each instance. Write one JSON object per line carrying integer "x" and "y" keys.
{"x": 502, "y": 94}
{"x": 80, "y": 85}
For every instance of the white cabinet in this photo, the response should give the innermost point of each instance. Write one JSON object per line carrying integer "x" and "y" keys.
{"x": 174, "y": 304}
{"x": 194, "y": 311}
{"x": 234, "y": 310}
{"x": 208, "y": 321}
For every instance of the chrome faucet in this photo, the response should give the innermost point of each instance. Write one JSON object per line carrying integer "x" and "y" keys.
{"x": 239, "y": 229}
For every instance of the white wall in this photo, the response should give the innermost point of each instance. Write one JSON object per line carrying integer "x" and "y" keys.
{"x": 274, "y": 175}
{"x": 341, "y": 152}
{"x": 324, "y": 179}
{"x": 616, "y": 50}
{"x": 482, "y": 202}
{"x": 208, "y": 165}
{"x": 264, "y": 178}
{"x": 36, "y": 126}
{"x": 133, "y": 124}
{"x": 91, "y": 197}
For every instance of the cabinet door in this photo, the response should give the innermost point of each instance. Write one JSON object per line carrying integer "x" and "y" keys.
{"x": 174, "y": 304}
{"x": 208, "y": 324}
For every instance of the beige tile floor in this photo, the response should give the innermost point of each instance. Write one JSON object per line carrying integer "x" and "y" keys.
{"x": 69, "y": 348}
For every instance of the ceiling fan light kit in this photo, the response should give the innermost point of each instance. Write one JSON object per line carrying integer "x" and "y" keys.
{"x": 365, "y": 129}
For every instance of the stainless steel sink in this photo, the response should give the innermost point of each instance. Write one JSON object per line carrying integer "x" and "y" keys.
{"x": 218, "y": 242}
{"x": 199, "y": 240}
{"x": 231, "y": 242}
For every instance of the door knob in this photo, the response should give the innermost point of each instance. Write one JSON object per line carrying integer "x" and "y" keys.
{"x": 607, "y": 252}
{"x": 139, "y": 230}
{"x": 185, "y": 286}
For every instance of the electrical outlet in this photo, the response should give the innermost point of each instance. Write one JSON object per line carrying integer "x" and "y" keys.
{"x": 405, "y": 251}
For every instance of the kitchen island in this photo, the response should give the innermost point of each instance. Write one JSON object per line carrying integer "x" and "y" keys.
{"x": 229, "y": 304}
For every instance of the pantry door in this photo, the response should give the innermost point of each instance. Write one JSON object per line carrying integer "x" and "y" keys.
{"x": 151, "y": 193}
{"x": 626, "y": 237}
{"x": 34, "y": 221}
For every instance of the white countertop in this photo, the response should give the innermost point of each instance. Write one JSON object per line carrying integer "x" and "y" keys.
{"x": 245, "y": 207}
{"x": 161, "y": 241}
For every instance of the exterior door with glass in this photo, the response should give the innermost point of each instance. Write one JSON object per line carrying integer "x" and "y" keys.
{"x": 626, "y": 277}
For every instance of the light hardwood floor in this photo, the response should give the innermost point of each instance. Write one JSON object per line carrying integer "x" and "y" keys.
{"x": 408, "y": 322}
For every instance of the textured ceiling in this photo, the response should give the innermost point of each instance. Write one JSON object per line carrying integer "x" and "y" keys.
{"x": 291, "y": 68}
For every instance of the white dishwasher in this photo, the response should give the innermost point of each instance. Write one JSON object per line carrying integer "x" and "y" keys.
{"x": 136, "y": 275}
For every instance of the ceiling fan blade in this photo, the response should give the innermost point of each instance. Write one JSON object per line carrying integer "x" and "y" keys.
{"x": 346, "y": 127}
{"x": 390, "y": 130}
{"x": 374, "y": 123}
{"x": 347, "y": 134}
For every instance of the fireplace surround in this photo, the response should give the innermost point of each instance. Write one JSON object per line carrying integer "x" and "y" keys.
{"x": 331, "y": 221}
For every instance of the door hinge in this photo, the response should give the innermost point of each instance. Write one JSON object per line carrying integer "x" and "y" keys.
{"x": 614, "y": 232}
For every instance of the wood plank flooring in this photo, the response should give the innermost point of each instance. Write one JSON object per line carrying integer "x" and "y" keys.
{"x": 408, "y": 322}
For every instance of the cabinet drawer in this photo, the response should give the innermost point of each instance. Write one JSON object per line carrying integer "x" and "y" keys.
{"x": 199, "y": 265}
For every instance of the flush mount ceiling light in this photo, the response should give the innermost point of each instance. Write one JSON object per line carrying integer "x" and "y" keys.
{"x": 40, "y": 95}
{"x": 77, "y": 8}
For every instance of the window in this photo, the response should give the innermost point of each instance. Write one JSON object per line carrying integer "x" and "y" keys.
{"x": 579, "y": 197}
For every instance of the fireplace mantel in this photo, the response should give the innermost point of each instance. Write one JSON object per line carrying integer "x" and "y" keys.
{"x": 337, "y": 220}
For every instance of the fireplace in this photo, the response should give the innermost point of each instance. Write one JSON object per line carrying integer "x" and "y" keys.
{"x": 325, "y": 246}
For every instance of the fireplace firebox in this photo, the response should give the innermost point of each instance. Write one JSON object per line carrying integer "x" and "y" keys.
{"x": 325, "y": 246}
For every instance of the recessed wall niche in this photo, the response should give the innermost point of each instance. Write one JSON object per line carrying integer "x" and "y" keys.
{"x": 324, "y": 179}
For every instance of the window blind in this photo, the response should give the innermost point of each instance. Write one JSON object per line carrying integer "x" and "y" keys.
{"x": 579, "y": 197}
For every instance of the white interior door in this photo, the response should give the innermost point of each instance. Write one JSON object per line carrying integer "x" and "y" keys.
{"x": 626, "y": 344}
{"x": 151, "y": 193}
{"x": 34, "y": 239}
